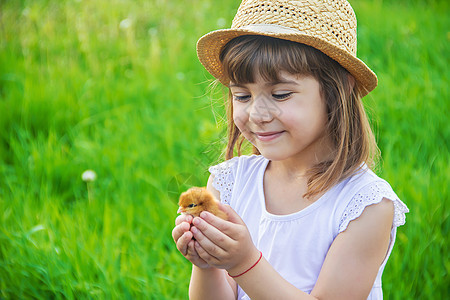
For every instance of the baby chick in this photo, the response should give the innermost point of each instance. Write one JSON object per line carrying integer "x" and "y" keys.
{"x": 195, "y": 200}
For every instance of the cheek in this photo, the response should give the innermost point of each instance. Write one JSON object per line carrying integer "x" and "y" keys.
{"x": 240, "y": 118}
{"x": 303, "y": 122}
{"x": 295, "y": 118}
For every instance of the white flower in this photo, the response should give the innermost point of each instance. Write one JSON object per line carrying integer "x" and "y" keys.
{"x": 88, "y": 176}
{"x": 125, "y": 24}
{"x": 221, "y": 22}
{"x": 180, "y": 76}
{"x": 153, "y": 32}
{"x": 26, "y": 12}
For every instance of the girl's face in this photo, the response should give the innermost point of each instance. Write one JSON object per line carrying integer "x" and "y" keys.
{"x": 285, "y": 119}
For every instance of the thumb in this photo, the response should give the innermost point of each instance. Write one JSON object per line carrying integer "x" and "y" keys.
{"x": 233, "y": 217}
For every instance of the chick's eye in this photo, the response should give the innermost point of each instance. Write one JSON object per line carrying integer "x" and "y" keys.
{"x": 192, "y": 205}
{"x": 282, "y": 96}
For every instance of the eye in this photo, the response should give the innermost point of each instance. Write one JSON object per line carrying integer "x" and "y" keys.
{"x": 192, "y": 205}
{"x": 282, "y": 96}
{"x": 243, "y": 98}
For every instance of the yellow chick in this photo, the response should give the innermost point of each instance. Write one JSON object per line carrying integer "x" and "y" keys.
{"x": 196, "y": 199}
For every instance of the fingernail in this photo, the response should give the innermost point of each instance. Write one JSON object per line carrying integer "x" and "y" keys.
{"x": 196, "y": 221}
{"x": 194, "y": 230}
{"x": 185, "y": 225}
{"x": 203, "y": 214}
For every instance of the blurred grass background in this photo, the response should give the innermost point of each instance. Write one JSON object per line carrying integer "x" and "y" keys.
{"x": 115, "y": 86}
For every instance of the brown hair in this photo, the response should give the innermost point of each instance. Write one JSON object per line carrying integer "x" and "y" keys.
{"x": 354, "y": 144}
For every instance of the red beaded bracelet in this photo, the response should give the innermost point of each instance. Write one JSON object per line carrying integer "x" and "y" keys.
{"x": 260, "y": 256}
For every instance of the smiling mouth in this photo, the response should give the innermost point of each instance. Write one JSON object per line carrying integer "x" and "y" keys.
{"x": 268, "y": 136}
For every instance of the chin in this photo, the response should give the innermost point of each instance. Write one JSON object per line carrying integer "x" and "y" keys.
{"x": 273, "y": 155}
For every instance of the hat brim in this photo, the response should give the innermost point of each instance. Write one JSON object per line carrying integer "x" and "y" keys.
{"x": 210, "y": 46}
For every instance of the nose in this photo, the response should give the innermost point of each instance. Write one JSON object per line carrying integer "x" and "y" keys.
{"x": 261, "y": 109}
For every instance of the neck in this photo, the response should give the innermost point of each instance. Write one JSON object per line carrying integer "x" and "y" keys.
{"x": 289, "y": 170}
{"x": 297, "y": 167}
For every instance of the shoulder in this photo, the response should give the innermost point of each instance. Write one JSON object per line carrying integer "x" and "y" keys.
{"x": 224, "y": 175}
{"x": 375, "y": 216}
{"x": 239, "y": 164}
{"x": 210, "y": 187}
{"x": 366, "y": 189}
{"x": 233, "y": 163}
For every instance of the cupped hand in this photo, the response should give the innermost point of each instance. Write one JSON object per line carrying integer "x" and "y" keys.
{"x": 183, "y": 238}
{"x": 224, "y": 244}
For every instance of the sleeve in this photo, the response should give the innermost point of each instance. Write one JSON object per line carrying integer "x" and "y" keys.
{"x": 224, "y": 175}
{"x": 370, "y": 194}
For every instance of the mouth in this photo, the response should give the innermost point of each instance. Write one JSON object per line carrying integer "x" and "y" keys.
{"x": 268, "y": 136}
{"x": 180, "y": 211}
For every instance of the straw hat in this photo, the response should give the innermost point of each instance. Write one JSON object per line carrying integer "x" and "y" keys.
{"x": 327, "y": 25}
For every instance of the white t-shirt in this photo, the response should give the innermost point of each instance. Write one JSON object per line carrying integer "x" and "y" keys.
{"x": 296, "y": 244}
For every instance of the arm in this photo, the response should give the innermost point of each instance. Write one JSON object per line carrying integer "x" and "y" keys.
{"x": 211, "y": 283}
{"x": 207, "y": 282}
{"x": 348, "y": 272}
{"x": 356, "y": 254}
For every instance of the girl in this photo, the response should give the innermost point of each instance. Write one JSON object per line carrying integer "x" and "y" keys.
{"x": 307, "y": 218}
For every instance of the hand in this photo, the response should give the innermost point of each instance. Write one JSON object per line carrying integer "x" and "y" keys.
{"x": 224, "y": 244}
{"x": 183, "y": 239}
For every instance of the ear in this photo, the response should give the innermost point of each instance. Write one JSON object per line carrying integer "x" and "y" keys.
{"x": 351, "y": 82}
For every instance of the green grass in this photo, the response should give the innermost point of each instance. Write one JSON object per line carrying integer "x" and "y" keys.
{"x": 115, "y": 86}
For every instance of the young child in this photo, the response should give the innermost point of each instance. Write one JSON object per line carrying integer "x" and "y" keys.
{"x": 307, "y": 218}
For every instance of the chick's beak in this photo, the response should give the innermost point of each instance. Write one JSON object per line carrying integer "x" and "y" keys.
{"x": 180, "y": 210}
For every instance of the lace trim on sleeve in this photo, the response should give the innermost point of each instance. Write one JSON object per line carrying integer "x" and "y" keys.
{"x": 224, "y": 179}
{"x": 373, "y": 194}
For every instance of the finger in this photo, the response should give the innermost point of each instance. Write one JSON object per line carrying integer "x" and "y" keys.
{"x": 193, "y": 256}
{"x": 183, "y": 218}
{"x": 226, "y": 227}
{"x": 179, "y": 230}
{"x": 191, "y": 250}
{"x": 207, "y": 228}
{"x": 183, "y": 242}
{"x": 211, "y": 245}
{"x": 204, "y": 255}
{"x": 233, "y": 217}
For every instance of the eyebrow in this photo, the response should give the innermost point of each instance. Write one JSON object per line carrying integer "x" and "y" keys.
{"x": 235, "y": 85}
{"x": 267, "y": 84}
{"x": 282, "y": 82}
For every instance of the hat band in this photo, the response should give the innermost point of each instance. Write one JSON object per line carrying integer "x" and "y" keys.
{"x": 293, "y": 33}
{"x": 270, "y": 28}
